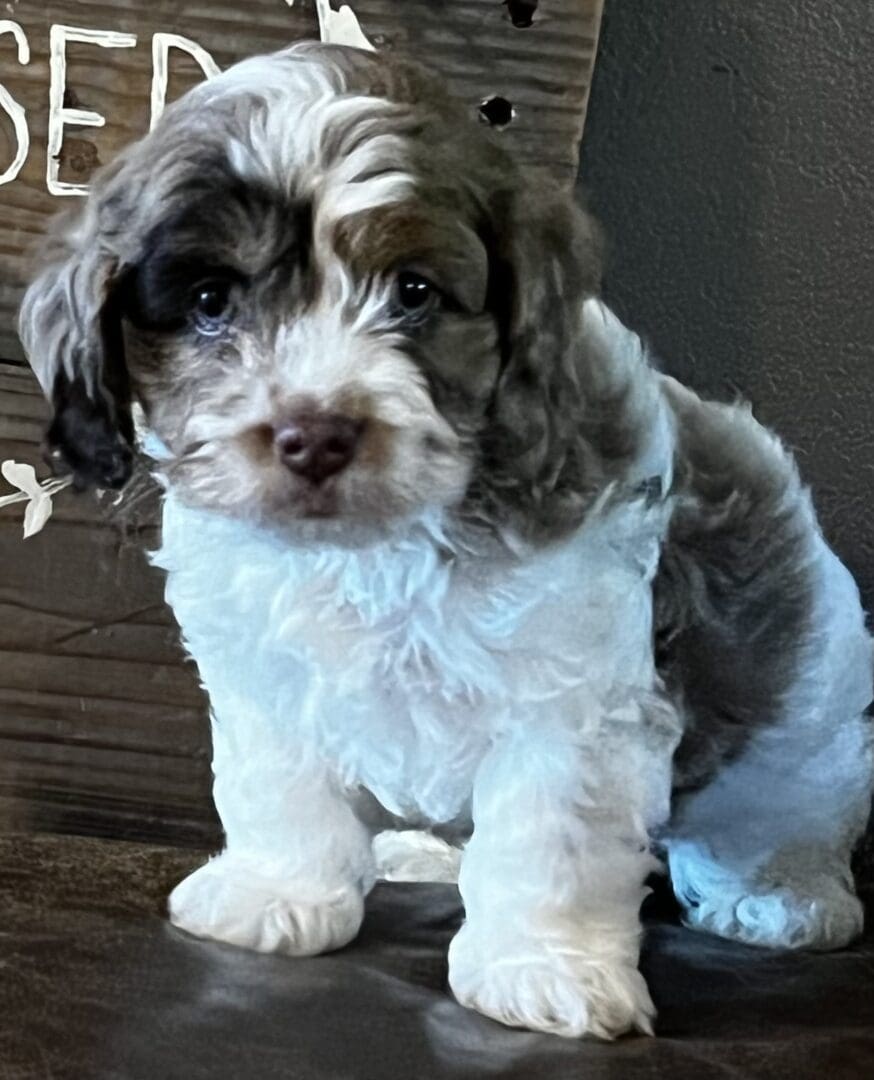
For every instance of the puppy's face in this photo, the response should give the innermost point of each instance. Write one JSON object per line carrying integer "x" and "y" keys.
{"x": 304, "y": 361}
{"x": 314, "y": 278}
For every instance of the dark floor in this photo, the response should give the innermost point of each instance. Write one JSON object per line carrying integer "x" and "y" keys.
{"x": 95, "y": 985}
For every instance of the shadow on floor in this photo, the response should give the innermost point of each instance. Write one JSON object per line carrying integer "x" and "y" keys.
{"x": 95, "y": 985}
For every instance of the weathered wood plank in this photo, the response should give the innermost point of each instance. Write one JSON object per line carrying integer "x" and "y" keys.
{"x": 37, "y": 810}
{"x": 543, "y": 69}
{"x": 103, "y": 726}
{"x": 24, "y": 628}
{"x": 144, "y": 679}
{"x": 112, "y": 772}
{"x": 38, "y": 714}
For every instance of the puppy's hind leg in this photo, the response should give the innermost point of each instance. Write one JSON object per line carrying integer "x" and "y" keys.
{"x": 762, "y": 853}
{"x": 297, "y": 862}
{"x": 765, "y": 644}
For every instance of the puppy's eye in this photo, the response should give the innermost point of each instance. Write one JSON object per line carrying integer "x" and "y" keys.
{"x": 211, "y": 306}
{"x": 414, "y": 292}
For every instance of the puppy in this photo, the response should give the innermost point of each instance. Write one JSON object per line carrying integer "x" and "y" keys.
{"x": 449, "y": 551}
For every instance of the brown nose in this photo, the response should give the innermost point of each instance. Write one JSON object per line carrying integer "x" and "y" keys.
{"x": 317, "y": 445}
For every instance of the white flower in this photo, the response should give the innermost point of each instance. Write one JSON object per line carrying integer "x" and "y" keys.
{"x": 340, "y": 27}
{"x": 38, "y": 496}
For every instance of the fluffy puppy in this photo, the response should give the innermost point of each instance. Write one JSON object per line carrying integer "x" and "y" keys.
{"x": 447, "y": 549}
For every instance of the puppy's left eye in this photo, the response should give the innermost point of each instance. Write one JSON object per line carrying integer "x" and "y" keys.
{"x": 211, "y": 306}
{"x": 415, "y": 294}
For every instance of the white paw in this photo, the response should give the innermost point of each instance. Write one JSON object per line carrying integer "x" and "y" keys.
{"x": 781, "y": 918}
{"x": 802, "y": 902}
{"x": 544, "y": 987}
{"x": 413, "y": 855}
{"x": 232, "y": 899}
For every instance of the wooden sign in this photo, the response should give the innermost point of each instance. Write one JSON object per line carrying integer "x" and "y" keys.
{"x": 80, "y": 79}
{"x": 103, "y": 727}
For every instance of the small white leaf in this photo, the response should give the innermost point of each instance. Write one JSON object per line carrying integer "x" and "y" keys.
{"x": 340, "y": 27}
{"x": 21, "y": 476}
{"x": 37, "y": 495}
{"x": 347, "y": 30}
{"x": 38, "y": 512}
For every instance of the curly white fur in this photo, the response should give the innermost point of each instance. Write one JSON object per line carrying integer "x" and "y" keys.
{"x": 518, "y": 692}
{"x": 457, "y": 628}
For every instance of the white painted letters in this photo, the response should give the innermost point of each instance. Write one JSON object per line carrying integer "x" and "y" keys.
{"x": 12, "y": 107}
{"x": 58, "y": 114}
{"x": 339, "y": 26}
{"x": 161, "y": 45}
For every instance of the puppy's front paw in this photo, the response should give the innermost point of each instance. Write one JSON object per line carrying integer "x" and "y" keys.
{"x": 546, "y": 987}
{"x": 232, "y": 899}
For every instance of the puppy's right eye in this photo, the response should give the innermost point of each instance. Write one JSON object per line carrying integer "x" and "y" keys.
{"x": 211, "y": 306}
{"x": 414, "y": 292}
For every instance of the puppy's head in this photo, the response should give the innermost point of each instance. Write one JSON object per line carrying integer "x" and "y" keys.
{"x": 334, "y": 297}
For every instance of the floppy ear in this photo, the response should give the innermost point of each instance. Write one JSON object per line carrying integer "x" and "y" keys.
{"x": 70, "y": 327}
{"x": 540, "y": 449}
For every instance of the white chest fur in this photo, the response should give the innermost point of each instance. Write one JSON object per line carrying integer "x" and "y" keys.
{"x": 403, "y": 661}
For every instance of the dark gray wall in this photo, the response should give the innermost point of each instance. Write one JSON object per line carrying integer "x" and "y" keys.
{"x": 729, "y": 153}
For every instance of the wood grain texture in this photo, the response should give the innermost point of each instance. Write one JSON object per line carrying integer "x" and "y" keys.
{"x": 103, "y": 728}
{"x": 544, "y": 70}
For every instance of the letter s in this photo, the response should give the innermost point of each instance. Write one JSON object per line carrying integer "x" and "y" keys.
{"x": 11, "y": 106}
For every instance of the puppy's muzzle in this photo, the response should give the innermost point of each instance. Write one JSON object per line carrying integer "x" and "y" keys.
{"x": 316, "y": 445}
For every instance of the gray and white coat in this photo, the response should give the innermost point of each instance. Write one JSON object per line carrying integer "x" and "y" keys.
{"x": 449, "y": 551}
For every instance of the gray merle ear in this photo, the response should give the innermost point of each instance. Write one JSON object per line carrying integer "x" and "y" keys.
{"x": 70, "y": 327}
{"x": 545, "y": 264}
